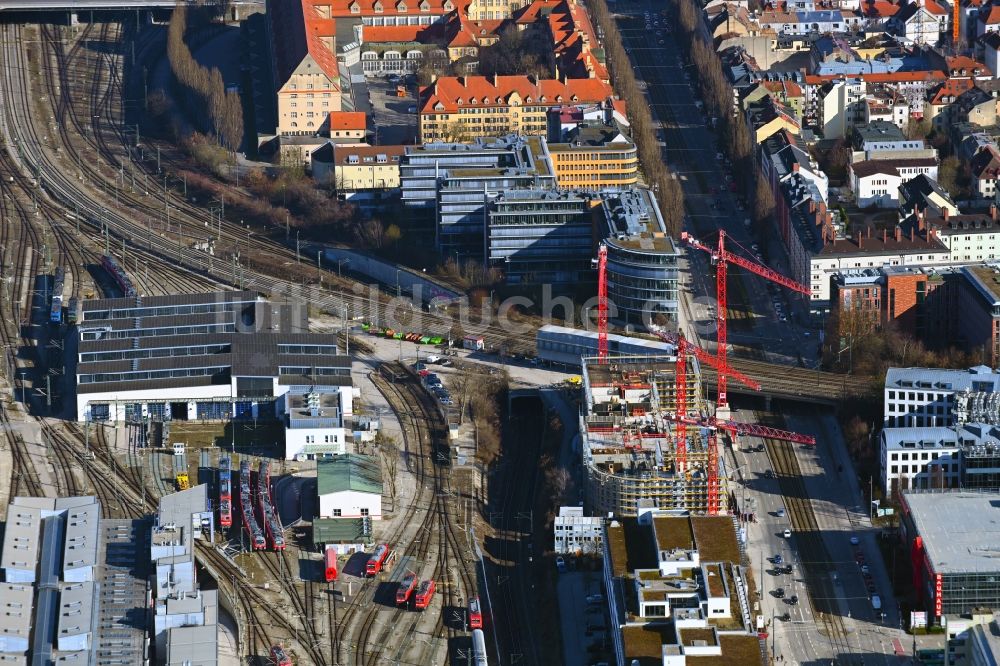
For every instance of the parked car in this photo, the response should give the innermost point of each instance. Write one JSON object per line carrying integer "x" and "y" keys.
{"x": 788, "y": 534}
{"x": 794, "y": 599}
{"x": 779, "y": 592}
{"x": 854, "y": 541}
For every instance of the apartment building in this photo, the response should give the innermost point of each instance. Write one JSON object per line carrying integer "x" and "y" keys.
{"x": 359, "y": 168}
{"x": 576, "y": 533}
{"x": 928, "y": 457}
{"x": 594, "y": 156}
{"x": 306, "y": 73}
{"x": 465, "y": 107}
{"x": 677, "y": 591}
{"x": 876, "y": 182}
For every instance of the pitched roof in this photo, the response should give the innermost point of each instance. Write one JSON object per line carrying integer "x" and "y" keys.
{"x": 348, "y": 472}
{"x": 950, "y": 88}
{"x": 393, "y": 34}
{"x": 985, "y": 164}
{"x": 348, "y": 120}
{"x": 787, "y": 87}
{"x": 889, "y": 167}
{"x": 454, "y": 92}
{"x": 343, "y": 153}
{"x": 880, "y": 8}
{"x": 298, "y": 31}
{"x": 965, "y": 66}
{"x": 992, "y": 17}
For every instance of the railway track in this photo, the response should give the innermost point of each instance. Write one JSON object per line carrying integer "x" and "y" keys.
{"x": 816, "y": 561}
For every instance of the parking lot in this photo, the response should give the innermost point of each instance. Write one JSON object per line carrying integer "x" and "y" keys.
{"x": 394, "y": 118}
{"x": 582, "y": 611}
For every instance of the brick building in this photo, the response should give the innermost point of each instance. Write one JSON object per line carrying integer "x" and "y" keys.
{"x": 866, "y": 299}
{"x": 978, "y": 301}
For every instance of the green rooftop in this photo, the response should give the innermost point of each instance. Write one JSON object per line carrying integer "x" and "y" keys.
{"x": 349, "y": 472}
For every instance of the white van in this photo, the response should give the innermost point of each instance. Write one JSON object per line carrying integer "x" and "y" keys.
{"x": 876, "y": 602}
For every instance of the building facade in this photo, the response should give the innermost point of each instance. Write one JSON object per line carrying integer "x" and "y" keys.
{"x": 577, "y": 534}
{"x": 589, "y": 157}
{"x": 466, "y": 107}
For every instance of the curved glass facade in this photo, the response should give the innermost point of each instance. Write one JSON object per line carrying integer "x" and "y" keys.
{"x": 642, "y": 282}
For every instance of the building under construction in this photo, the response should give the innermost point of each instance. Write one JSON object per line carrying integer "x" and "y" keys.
{"x": 633, "y": 449}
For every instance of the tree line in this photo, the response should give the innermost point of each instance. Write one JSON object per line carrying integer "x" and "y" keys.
{"x": 203, "y": 88}
{"x": 644, "y": 128}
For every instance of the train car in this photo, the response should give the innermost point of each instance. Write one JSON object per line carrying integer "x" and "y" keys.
{"x": 279, "y": 657}
{"x": 330, "y": 562}
{"x": 424, "y": 594}
{"x": 117, "y": 273}
{"x": 256, "y": 534}
{"x": 56, "y": 299}
{"x": 72, "y": 311}
{"x": 272, "y": 524}
{"x": 406, "y": 587}
{"x": 479, "y": 648}
{"x": 475, "y": 614}
{"x": 225, "y": 492}
{"x": 377, "y": 559}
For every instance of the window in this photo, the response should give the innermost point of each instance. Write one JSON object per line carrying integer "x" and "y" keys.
{"x": 364, "y": 512}
{"x": 336, "y": 513}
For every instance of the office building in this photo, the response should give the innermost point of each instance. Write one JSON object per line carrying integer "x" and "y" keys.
{"x": 542, "y": 236}
{"x": 953, "y": 536}
{"x": 677, "y": 590}
{"x": 594, "y": 156}
{"x": 318, "y": 421}
{"x": 935, "y": 397}
{"x": 642, "y": 268}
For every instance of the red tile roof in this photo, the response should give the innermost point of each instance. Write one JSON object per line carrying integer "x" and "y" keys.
{"x": 950, "y": 88}
{"x": 957, "y": 63}
{"x": 884, "y": 77}
{"x": 298, "y": 33}
{"x": 880, "y": 8}
{"x": 453, "y": 92}
{"x": 934, "y": 8}
{"x": 788, "y": 88}
{"x": 348, "y": 120}
{"x": 393, "y": 33}
{"x": 993, "y": 17}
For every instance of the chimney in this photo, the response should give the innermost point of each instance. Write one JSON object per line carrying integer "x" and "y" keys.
{"x": 946, "y": 213}
{"x": 993, "y": 212}
{"x": 861, "y": 241}
{"x": 913, "y": 232}
{"x": 829, "y": 217}
{"x": 869, "y": 232}
{"x": 885, "y": 236}
{"x": 822, "y": 208}
{"x": 795, "y": 167}
{"x": 899, "y": 233}
{"x": 812, "y": 207}
{"x": 921, "y": 224}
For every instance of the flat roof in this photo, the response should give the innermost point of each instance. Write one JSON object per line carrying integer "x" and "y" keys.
{"x": 737, "y": 650}
{"x": 644, "y": 643}
{"x": 960, "y": 530}
{"x": 673, "y": 532}
{"x": 16, "y": 609}
{"x": 193, "y": 645}
{"x": 715, "y": 539}
{"x": 986, "y": 280}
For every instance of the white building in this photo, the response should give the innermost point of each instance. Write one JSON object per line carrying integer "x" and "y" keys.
{"x": 928, "y": 397}
{"x": 842, "y": 105}
{"x": 213, "y": 356}
{"x": 876, "y": 182}
{"x": 318, "y": 421}
{"x": 16, "y": 610}
{"x": 349, "y": 486}
{"x": 925, "y": 457}
{"x": 576, "y": 533}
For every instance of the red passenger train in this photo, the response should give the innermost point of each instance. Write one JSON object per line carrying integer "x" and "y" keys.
{"x": 406, "y": 587}
{"x": 330, "y": 560}
{"x": 377, "y": 559}
{"x": 475, "y": 614}
{"x": 225, "y": 492}
{"x": 424, "y": 595}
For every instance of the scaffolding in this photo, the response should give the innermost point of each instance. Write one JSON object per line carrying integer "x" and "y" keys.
{"x": 634, "y": 453}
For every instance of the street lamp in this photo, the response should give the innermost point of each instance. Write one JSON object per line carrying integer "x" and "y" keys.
{"x": 397, "y": 283}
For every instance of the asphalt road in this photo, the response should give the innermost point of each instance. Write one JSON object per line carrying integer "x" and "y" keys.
{"x": 691, "y": 150}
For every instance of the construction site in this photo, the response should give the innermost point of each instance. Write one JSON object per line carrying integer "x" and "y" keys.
{"x": 648, "y": 435}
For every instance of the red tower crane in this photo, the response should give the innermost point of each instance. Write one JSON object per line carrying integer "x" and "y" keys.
{"x": 602, "y": 304}
{"x": 721, "y": 257}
